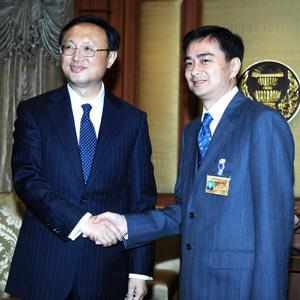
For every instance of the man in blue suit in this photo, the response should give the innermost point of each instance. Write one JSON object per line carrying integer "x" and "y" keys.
{"x": 234, "y": 188}
{"x": 79, "y": 151}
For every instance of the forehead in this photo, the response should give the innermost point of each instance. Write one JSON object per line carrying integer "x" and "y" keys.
{"x": 206, "y": 46}
{"x": 85, "y": 32}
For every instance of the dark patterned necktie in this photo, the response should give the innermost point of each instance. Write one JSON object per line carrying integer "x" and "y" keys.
{"x": 204, "y": 136}
{"x": 87, "y": 141}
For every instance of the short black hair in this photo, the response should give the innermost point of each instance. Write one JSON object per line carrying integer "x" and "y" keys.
{"x": 231, "y": 44}
{"x": 113, "y": 36}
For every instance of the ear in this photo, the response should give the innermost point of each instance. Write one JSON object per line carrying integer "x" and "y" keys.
{"x": 112, "y": 56}
{"x": 235, "y": 66}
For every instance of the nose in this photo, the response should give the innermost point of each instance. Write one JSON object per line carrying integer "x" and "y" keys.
{"x": 77, "y": 55}
{"x": 196, "y": 69}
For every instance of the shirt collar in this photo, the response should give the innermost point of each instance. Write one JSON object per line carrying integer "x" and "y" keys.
{"x": 217, "y": 110}
{"x": 77, "y": 101}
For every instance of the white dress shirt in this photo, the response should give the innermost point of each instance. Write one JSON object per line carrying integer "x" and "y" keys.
{"x": 95, "y": 113}
{"x": 217, "y": 110}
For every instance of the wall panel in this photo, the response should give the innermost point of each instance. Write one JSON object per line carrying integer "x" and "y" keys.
{"x": 158, "y": 89}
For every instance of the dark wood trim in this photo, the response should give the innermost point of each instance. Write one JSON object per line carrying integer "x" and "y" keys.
{"x": 100, "y": 8}
{"x": 131, "y": 51}
{"x": 164, "y": 199}
{"x": 114, "y": 77}
{"x": 121, "y": 79}
{"x": 189, "y": 104}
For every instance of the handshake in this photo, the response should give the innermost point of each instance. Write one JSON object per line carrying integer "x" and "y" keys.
{"x": 105, "y": 229}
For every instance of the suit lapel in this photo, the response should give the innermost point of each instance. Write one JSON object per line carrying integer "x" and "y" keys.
{"x": 191, "y": 155}
{"x": 223, "y": 132}
{"x": 111, "y": 126}
{"x": 60, "y": 112}
{"x": 194, "y": 152}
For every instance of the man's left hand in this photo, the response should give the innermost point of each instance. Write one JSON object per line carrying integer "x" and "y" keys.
{"x": 137, "y": 289}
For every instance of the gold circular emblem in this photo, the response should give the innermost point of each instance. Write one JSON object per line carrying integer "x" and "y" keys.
{"x": 274, "y": 84}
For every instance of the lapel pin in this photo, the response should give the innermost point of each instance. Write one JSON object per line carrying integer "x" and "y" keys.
{"x": 221, "y": 166}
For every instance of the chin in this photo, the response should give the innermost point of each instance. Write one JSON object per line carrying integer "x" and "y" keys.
{"x": 197, "y": 93}
{"x": 77, "y": 79}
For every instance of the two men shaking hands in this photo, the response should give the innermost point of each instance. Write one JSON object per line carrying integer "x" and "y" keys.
{"x": 105, "y": 229}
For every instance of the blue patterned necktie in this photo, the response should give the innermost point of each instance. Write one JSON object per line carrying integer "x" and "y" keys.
{"x": 87, "y": 141}
{"x": 204, "y": 136}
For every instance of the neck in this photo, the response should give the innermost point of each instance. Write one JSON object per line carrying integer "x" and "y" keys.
{"x": 210, "y": 102}
{"x": 88, "y": 93}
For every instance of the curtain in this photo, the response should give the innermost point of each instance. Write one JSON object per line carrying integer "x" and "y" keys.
{"x": 29, "y": 62}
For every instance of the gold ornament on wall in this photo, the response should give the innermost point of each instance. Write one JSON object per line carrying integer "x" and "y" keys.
{"x": 274, "y": 84}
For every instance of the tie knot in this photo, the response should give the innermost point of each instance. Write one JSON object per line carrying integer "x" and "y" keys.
{"x": 86, "y": 108}
{"x": 207, "y": 119}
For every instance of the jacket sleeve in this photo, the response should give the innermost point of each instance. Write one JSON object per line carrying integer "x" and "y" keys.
{"x": 272, "y": 178}
{"x": 59, "y": 215}
{"x": 142, "y": 195}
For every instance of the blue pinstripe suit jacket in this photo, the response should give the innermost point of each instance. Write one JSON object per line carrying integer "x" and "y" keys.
{"x": 47, "y": 176}
{"x": 235, "y": 246}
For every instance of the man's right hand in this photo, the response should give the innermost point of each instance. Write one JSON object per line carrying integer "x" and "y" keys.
{"x": 118, "y": 220}
{"x": 101, "y": 231}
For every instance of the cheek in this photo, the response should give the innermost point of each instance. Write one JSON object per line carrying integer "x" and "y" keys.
{"x": 64, "y": 64}
{"x": 217, "y": 76}
{"x": 187, "y": 75}
{"x": 100, "y": 68}
{"x": 225, "y": 71}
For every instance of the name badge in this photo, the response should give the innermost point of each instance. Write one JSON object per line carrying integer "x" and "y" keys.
{"x": 217, "y": 185}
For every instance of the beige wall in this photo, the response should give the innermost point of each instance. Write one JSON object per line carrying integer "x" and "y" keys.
{"x": 159, "y": 84}
{"x": 270, "y": 30}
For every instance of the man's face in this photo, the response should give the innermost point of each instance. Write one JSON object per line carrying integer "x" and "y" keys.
{"x": 81, "y": 71}
{"x": 209, "y": 75}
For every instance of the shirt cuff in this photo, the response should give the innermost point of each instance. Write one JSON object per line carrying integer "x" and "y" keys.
{"x": 296, "y": 220}
{"x": 139, "y": 276}
{"x": 76, "y": 232}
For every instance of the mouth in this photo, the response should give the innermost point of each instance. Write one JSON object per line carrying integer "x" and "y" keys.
{"x": 77, "y": 68}
{"x": 198, "y": 82}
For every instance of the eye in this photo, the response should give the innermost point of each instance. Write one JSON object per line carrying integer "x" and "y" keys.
{"x": 87, "y": 49}
{"x": 68, "y": 47}
{"x": 188, "y": 64}
{"x": 204, "y": 61}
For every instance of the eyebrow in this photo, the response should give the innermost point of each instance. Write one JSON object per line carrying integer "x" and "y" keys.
{"x": 200, "y": 55}
{"x": 84, "y": 42}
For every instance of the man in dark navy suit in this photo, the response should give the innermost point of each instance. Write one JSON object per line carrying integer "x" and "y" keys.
{"x": 234, "y": 188}
{"x": 79, "y": 151}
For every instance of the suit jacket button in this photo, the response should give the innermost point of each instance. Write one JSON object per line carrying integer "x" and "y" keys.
{"x": 192, "y": 215}
{"x": 188, "y": 246}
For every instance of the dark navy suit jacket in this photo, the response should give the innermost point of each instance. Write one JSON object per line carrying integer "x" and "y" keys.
{"x": 236, "y": 246}
{"x": 48, "y": 178}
